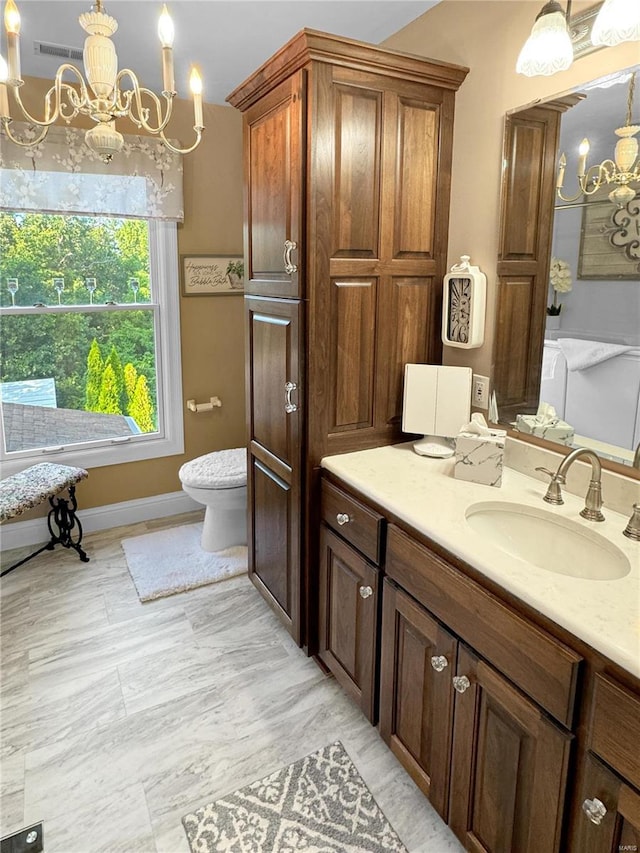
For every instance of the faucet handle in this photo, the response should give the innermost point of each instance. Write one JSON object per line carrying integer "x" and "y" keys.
{"x": 554, "y": 492}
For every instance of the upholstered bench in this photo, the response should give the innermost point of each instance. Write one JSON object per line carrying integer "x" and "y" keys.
{"x": 33, "y": 486}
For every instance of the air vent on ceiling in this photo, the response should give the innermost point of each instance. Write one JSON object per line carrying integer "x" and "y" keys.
{"x": 59, "y": 51}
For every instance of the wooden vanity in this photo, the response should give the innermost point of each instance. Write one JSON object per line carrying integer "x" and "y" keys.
{"x": 523, "y": 736}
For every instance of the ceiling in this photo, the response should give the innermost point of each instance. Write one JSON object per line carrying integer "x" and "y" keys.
{"x": 227, "y": 39}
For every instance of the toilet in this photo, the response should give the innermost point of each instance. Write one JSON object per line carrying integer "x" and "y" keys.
{"x": 219, "y": 481}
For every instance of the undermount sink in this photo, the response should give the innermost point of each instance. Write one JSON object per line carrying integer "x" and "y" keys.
{"x": 548, "y": 541}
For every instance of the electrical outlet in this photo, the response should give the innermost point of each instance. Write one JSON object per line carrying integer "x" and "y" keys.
{"x": 480, "y": 397}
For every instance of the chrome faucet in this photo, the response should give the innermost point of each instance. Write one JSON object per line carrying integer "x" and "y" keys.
{"x": 593, "y": 500}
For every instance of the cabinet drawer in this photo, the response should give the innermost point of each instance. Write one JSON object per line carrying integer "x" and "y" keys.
{"x": 543, "y": 667}
{"x": 615, "y": 727}
{"x": 355, "y": 522}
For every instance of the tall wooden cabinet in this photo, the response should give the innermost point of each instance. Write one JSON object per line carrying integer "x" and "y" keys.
{"x": 347, "y": 152}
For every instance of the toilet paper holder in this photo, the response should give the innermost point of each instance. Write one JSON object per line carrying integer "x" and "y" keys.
{"x": 214, "y": 402}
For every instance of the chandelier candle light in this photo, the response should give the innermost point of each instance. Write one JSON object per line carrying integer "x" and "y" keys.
{"x": 623, "y": 172}
{"x": 102, "y": 97}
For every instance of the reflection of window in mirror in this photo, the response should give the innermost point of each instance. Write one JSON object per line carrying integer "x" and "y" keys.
{"x": 575, "y": 346}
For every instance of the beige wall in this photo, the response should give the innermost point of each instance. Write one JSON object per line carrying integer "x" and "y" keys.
{"x": 486, "y": 36}
{"x": 211, "y": 327}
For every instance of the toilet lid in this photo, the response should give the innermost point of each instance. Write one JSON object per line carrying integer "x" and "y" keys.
{"x": 223, "y": 469}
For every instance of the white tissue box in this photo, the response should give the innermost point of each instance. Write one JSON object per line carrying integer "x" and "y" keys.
{"x": 480, "y": 458}
{"x": 559, "y": 431}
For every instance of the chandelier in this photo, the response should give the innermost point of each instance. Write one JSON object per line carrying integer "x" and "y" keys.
{"x": 549, "y": 47}
{"x": 623, "y": 170}
{"x": 107, "y": 94}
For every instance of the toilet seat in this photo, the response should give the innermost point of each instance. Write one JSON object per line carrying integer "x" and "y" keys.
{"x": 222, "y": 469}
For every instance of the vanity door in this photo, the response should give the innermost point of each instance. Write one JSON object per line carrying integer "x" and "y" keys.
{"x": 609, "y": 819}
{"x": 416, "y": 697}
{"x": 509, "y": 765}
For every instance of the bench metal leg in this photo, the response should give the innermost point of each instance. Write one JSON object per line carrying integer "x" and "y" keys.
{"x": 63, "y": 515}
{"x": 64, "y": 527}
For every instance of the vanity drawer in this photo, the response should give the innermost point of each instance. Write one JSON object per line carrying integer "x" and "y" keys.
{"x": 543, "y": 667}
{"x": 355, "y": 522}
{"x": 615, "y": 727}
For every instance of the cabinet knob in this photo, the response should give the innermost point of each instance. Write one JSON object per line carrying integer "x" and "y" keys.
{"x": 595, "y": 810}
{"x": 461, "y": 683}
{"x": 289, "y": 267}
{"x": 289, "y": 406}
{"x": 439, "y": 662}
{"x": 342, "y": 518}
{"x": 365, "y": 591}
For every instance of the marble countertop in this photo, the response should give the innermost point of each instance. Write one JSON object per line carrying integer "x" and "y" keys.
{"x": 425, "y": 495}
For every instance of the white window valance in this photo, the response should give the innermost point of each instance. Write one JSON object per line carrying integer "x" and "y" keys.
{"x": 62, "y": 174}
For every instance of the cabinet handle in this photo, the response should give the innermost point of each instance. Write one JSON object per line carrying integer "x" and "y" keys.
{"x": 365, "y": 591}
{"x": 595, "y": 810}
{"x": 461, "y": 683}
{"x": 289, "y": 407}
{"x": 343, "y": 518}
{"x": 439, "y": 662}
{"x": 289, "y": 267}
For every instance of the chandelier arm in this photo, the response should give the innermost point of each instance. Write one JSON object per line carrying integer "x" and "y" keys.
{"x": 57, "y": 110}
{"x": 569, "y": 199}
{"x": 175, "y": 150}
{"x": 597, "y": 175}
{"x": 140, "y": 115}
{"x": 6, "y": 121}
{"x": 49, "y": 118}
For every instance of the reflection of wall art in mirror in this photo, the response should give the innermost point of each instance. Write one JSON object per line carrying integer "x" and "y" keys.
{"x": 610, "y": 241}
{"x": 212, "y": 275}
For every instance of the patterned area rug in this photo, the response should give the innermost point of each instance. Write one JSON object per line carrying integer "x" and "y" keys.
{"x": 319, "y": 804}
{"x": 168, "y": 561}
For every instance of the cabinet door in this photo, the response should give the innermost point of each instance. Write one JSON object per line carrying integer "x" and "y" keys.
{"x": 416, "y": 697}
{"x": 609, "y": 813}
{"x": 380, "y": 194}
{"x": 273, "y": 365}
{"x": 273, "y": 135}
{"x": 348, "y": 619}
{"x": 509, "y": 767}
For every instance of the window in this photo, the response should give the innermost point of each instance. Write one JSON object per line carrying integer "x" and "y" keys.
{"x": 89, "y": 346}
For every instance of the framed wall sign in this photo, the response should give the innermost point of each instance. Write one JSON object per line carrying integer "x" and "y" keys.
{"x": 212, "y": 275}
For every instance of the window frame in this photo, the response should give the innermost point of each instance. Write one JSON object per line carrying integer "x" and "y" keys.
{"x": 169, "y": 440}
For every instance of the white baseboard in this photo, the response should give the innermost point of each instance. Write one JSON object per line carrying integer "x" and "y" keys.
{"x": 34, "y": 531}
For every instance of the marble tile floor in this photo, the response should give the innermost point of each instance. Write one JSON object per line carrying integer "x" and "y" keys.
{"x": 117, "y": 718}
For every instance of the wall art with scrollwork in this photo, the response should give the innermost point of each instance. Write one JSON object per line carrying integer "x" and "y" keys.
{"x": 610, "y": 241}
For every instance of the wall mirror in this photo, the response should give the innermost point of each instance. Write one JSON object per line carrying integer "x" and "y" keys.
{"x": 581, "y": 355}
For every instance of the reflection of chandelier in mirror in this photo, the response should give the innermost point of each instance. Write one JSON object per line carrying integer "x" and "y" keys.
{"x": 623, "y": 172}
{"x": 549, "y": 47}
{"x": 103, "y": 97}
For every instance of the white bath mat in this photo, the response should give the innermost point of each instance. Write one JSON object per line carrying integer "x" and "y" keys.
{"x": 168, "y": 561}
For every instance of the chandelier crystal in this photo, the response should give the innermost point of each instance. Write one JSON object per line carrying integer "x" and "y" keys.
{"x": 623, "y": 170}
{"x": 107, "y": 94}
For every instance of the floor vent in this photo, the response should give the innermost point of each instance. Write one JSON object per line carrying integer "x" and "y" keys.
{"x": 59, "y": 51}
{"x": 28, "y": 840}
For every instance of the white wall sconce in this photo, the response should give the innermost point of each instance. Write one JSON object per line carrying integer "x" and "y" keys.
{"x": 557, "y": 39}
{"x": 548, "y": 48}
